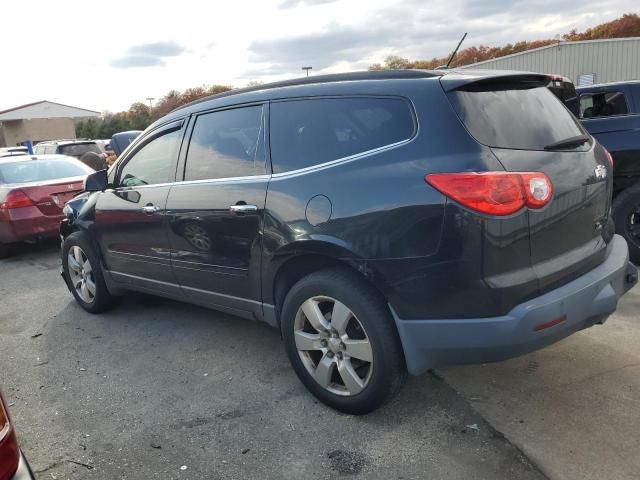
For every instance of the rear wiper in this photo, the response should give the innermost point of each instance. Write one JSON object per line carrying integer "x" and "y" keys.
{"x": 568, "y": 143}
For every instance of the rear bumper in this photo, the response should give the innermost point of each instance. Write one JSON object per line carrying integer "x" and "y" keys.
{"x": 583, "y": 302}
{"x": 28, "y": 223}
{"x": 24, "y": 471}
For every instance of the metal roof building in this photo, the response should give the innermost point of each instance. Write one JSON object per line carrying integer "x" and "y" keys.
{"x": 585, "y": 62}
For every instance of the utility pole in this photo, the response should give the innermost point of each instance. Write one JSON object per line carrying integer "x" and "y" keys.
{"x": 151, "y": 99}
{"x": 307, "y": 69}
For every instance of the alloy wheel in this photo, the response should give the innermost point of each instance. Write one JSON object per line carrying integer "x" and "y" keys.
{"x": 333, "y": 345}
{"x": 81, "y": 274}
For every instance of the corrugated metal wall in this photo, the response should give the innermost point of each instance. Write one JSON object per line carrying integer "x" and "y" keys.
{"x": 610, "y": 60}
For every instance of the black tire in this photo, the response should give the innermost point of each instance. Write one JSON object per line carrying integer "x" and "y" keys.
{"x": 5, "y": 250}
{"x": 102, "y": 300}
{"x": 388, "y": 366}
{"x": 626, "y": 213}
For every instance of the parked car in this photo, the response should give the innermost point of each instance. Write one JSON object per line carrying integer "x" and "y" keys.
{"x": 33, "y": 190}
{"x": 13, "y": 465}
{"x": 72, "y": 148}
{"x": 611, "y": 113}
{"x": 13, "y": 151}
{"x": 384, "y": 221}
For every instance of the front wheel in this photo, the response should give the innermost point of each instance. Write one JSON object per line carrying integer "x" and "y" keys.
{"x": 341, "y": 341}
{"x": 83, "y": 273}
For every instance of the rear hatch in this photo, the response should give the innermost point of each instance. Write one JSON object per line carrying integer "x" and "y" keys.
{"x": 529, "y": 130}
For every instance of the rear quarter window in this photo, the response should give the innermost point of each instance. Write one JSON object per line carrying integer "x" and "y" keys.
{"x": 514, "y": 117}
{"x": 309, "y": 132}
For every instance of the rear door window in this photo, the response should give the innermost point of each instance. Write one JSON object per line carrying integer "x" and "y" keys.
{"x": 604, "y": 104}
{"x": 79, "y": 149}
{"x": 309, "y": 132}
{"x": 227, "y": 143}
{"x": 515, "y": 117}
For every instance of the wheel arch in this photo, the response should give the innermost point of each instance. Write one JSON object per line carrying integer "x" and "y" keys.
{"x": 295, "y": 261}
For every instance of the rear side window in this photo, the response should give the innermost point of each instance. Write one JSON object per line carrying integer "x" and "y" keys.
{"x": 79, "y": 149}
{"x": 514, "y": 117}
{"x": 606, "y": 104}
{"x": 227, "y": 143}
{"x": 310, "y": 132}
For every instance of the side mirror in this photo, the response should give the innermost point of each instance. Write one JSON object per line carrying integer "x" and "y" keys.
{"x": 96, "y": 182}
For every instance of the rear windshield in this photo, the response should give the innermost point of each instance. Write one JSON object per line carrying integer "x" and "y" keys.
{"x": 516, "y": 118}
{"x": 79, "y": 149}
{"x": 41, "y": 170}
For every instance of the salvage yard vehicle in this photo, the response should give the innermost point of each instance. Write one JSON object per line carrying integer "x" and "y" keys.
{"x": 611, "y": 113}
{"x": 33, "y": 190}
{"x": 13, "y": 465}
{"x": 385, "y": 222}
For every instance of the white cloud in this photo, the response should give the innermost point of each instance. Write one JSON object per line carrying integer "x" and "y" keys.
{"x": 81, "y": 53}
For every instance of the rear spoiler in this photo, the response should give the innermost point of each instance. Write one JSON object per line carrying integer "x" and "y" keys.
{"x": 490, "y": 79}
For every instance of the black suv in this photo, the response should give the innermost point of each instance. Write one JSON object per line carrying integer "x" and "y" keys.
{"x": 383, "y": 221}
{"x": 611, "y": 113}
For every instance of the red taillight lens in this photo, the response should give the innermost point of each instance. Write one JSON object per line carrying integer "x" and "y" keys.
{"x": 16, "y": 199}
{"x": 9, "y": 453}
{"x": 494, "y": 193}
{"x": 609, "y": 157}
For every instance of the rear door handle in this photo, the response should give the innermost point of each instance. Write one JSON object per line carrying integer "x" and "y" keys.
{"x": 150, "y": 209}
{"x": 243, "y": 208}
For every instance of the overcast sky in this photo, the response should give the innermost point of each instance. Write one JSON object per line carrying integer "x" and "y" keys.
{"x": 106, "y": 55}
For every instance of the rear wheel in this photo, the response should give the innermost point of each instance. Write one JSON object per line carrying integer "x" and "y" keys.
{"x": 83, "y": 274}
{"x": 626, "y": 215}
{"x": 5, "y": 250}
{"x": 342, "y": 342}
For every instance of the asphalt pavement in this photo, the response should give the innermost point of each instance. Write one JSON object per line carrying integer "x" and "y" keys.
{"x": 161, "y": 389}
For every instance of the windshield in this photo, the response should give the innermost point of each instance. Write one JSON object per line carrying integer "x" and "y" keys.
{"x": 41, "y": 170}
{"x": 516, "y": 118}
{"x": 79, "y": 149}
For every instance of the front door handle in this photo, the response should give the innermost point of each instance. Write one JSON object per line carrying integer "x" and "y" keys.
{"x": 150, "y": 209}
{"x": 243, "y": 208}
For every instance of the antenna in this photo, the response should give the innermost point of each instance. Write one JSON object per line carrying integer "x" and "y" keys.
{"x": 456, "y": 50}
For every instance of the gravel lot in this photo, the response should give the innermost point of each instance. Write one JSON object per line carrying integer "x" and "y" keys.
{"x": 160, "y": 389}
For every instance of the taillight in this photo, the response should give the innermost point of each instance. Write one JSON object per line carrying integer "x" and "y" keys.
{"x": 609, "y": 157}
{"x": 494, "y": 193}
{"x": 9, "y": 453}
{"x": 16, "y": 199}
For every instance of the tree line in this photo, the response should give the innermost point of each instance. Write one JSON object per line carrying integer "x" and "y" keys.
{"x": 626, "y": 26}
{"x": 140, "y": 115}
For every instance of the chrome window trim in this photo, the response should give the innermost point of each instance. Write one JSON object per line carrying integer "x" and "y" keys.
{"x": 348, "y": 159}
